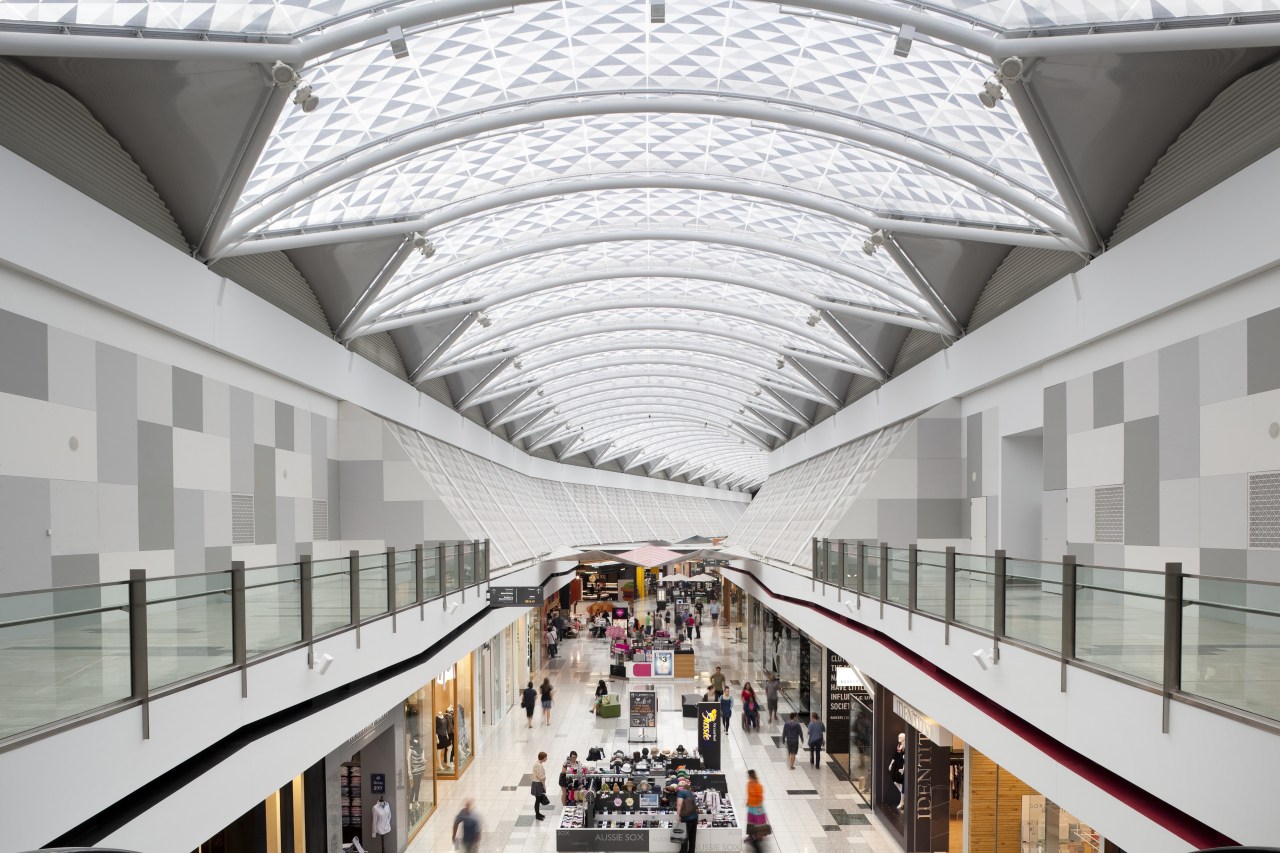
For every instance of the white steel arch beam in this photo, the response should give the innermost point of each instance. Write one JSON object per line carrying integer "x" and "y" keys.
{"x": 489, "y": 202}
{"x": 808, "y": 257}
{"x": 818, "y": 303}
{"x": 531, "y": 365}
{"x": 729, "y": 372}
{"x": 671, "y": 444}
{"x": 642, "y": 392}
{"x": 178, "y": 46}
{"x": 782, "y": 353}
{"x": 721, "y": 421}
{"x": 582, "y": 413}
{"x": 578, "y": 104}
{"x": 856, "y": 362}
{"x": 687, "y": 422}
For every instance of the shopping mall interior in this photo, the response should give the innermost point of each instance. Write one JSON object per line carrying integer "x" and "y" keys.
{"x": 393, "y": 391}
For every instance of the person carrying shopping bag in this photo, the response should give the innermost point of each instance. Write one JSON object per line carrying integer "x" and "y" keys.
{"x": 757, "y": 821}
{"x": 538, "y": 786}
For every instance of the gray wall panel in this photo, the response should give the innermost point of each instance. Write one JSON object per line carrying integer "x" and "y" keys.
{"x": 1224, "y": 372}
{"x": 117, "y": 392}
{"x": 1142, "y": 482}
{"x": 284, "y": 426}
{"x": 24, "y": 559}
{"x": 264, "y": 494}
{"x": 286, "y": 547}
{"x": 155, "y": 487}
{"x": 73, "y": 370}
{"x": 1108, "y": 396}
{"x": 241, "y": 442}
{"x": 188, "y": 400}
{"x": 938, "y": 438}
{"x": 24, "y": 356}
{"x": 1055, "y": 437}
{"x": 1264, "y": 352}
{"x": 74, "y": 569}
{"x": 1180, "y": 410}
{"x": 188, "y": 531}
{"x": 973, "y": 453}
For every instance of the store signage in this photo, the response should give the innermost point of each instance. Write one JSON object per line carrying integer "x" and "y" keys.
{"x": 918, "y": 721}
{"x": 515, "y": 596}
{"x": 664, "y": 663}
{"x": 847, "y": 676}
{"x": 709, "y": 734}
{"x": 586, "y": 840}
{"x": 377, "y": 783}
{"x": 644, "y": 709}
{"x": 840, "y": 700}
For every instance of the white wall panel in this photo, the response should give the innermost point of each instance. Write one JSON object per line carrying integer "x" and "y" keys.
{"x": 37, "y": 438}
{"x": 1097, "y": 457}
{"x": 1235, "y": 435}
{"x": 203, "y": 461}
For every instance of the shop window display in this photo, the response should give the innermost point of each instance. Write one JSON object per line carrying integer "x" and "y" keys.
{"x": 453, "y": 700}
{"x": 419, "y": 736}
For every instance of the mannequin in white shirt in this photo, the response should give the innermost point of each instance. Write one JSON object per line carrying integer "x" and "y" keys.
{"x": 381, "y": 818}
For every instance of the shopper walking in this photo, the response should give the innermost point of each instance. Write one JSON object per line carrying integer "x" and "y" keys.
{"x": 771, "y": 685}
{"x": 726, "y": 709}
{"x": 470, "y": 826}
{"x": 715, "y": 612}
{"x": 529, "y": 701}
{"x": 551, "y": 638}
{"x": 757, "y": 820}
{"x": 750, "y": 708}
{"x": 538, "y": 786}
{"x": 546, "y": 690}
{"x": 687, "y": 811}
{"x": 816, "y": 732}
{"x": 602, "y": 690}
{"x": 717, "y": 681}
{"x": 791, "y": 733}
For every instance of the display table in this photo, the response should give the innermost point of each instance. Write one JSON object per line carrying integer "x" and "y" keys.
{"x": 689, "y": 704}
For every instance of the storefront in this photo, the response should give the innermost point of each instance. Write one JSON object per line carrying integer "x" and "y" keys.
{"x": 848, "y": 719}
{"x": 290, "y": 820}
{"x": 798, "y": 662}
{"x": 420, "y": 778}
{"x": 918, "y": 786}
{"x": 1006, "y": 815}
{"x": 453, "y": 697}
{"x": 365, "y": 786}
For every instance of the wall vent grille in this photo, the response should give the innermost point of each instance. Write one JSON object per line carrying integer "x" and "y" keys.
{"x": 1264, "y": 510}
{"x": 243, "y": 531}
{"x": 1108, "y": 514}
{"x": 320, "y": 520}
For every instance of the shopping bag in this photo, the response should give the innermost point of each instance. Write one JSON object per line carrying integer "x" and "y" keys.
{"x": 679, "y": 834}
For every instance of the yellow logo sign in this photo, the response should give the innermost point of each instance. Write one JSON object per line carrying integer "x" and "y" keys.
{"x": 708, "y": 720}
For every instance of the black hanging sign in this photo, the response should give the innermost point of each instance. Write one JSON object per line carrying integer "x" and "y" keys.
{"x": 709, "y": 734}
{"x": 377, "y": 783}
{"x": 515, "y": 596}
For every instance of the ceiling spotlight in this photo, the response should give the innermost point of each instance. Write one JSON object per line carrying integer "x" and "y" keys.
{"x": 303, "y": 97}
{"x": 541, "y": 393}
{"x": 875, "y": 241}
{"x": 399, "y": 47}
{"x": 519, "y": 365}
{"x": 813, "y": 319}
{"x": 1011, "y": 68}
{"x": 657, "y": 13}
{"x": 984, "y": 659}
{"x": 992, "y": 93}
{"x": 484, "y": 319}
{"x": 781, "y": 363}
{"x": 902, "y": 47}
{"x": 423, "y": 245}
{"x": 283, "y": 74}
{"x": 757, "y": 392}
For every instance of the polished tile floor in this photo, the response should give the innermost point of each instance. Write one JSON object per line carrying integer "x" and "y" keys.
{"x": 822, "y": 814}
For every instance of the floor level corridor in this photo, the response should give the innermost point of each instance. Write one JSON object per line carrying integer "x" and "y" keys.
{"x": 811, "y": 811}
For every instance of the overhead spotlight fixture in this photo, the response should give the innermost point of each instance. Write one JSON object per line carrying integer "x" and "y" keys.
{"x": 906, "y": 34}
{"x": 1011, "y": 68}
{"x": 321, "y": 664}
{"x": 984, "y": 659}
{"x": 541, "y": 392}
{"x": 874, "y": 242}
{"x": 283, "y": 74}
{"x": 781, "y": 363}
{"x": 519, "y": 365}
{"x": 303, "y": 97}
{"x": 850, "y": 605}
{"x": 484, "y": 319}
{"x": 757, "y": 392}
{"x": 423, "y": 245}
{"x": 813, "y": 319}
{"x": 992, "y": 93}
{"x": 657, "y": 13}
{"x": 399, "y": 47}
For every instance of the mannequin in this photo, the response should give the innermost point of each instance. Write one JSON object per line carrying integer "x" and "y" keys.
{"x": 381, "y": 818}
{"x": 444, "y": 739}
{"x": 417, "y": 767}
{"x": 897, "y": 764}
{"x": 464, "y": 735}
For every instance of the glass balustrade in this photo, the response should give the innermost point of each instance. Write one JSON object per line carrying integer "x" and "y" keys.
{"x": 1120, "y": 620}
{"x": 931, "y": 583}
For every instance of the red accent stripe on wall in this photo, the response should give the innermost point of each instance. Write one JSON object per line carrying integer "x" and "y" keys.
{"x": 1188, "y": 828}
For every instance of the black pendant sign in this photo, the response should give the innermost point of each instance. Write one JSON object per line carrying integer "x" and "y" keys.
{"x": 709, "y": 734}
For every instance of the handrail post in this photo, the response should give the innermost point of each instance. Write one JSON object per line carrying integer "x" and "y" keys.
{"x": 998, "y": 617}
{"x": 239, "y": 628}
{"x": 884, "y": 575}
{"x": 442, "y": 572}
{"x": 949, "y": 602}
{"x": 305, "y": 591}
{"x": 353, "y": 559}
{"x": 840, "y": 568}
{"x": 391, "y": 586}
{"x": 913, "y": 565}
{"x": 1068, "y": 651}
{"x": 419, "y": 581}
{"x": 826, "y": 564}
{"x": 1173, "y": 579}
{"x": 813, "y": 557}
{"x": 139, "y": 676}
{"x": 861, "y": 585}
{"x": 487, "y": 566}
